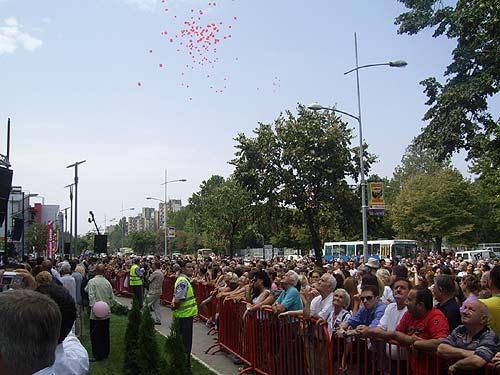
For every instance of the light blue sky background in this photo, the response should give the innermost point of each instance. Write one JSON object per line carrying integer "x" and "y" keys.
{"x": 69, "y": 72}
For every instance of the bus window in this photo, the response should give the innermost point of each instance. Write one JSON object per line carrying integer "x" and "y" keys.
{"x": 385, "y": 251}
{"x": 359, "y": 249}
{"x": 351, "y": 250}
{"x": 328, "y": 250}
{"x": 374, "y": 249}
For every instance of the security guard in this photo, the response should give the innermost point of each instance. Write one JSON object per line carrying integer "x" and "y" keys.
{"x": 136, "y": 280}
{"x": 185, "y": 307}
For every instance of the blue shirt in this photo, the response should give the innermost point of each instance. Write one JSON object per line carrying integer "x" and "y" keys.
{"x": 290, "y": 299}
{"x": 370, "y": 318}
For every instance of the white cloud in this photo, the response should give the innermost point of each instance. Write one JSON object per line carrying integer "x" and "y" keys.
{"x": 147, "y": 5}
{"x": 12, "y": 37}
{"x": 154, "y": 5}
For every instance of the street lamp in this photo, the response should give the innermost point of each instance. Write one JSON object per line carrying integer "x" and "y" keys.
{"x": 165, "y": 183}
{"x": 76, "y": 164}
{"x": 122, "y": 211}
{"x": 316, "y": 107}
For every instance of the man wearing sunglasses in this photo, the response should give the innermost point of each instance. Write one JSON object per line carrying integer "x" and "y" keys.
{"x": 368, "y": 315}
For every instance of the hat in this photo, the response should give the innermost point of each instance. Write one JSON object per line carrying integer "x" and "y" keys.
{"x": 373, "y": 263}
{"x": 363, "y": 268}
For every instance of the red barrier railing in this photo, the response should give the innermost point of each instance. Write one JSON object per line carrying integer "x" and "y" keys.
{"x": 269, "y": 345}
{"x": 167, "y": 294}
{"x": 121, "y": 279}
{"x": 203, "y": 293}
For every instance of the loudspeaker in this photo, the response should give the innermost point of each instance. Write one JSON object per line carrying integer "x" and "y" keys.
{"x": 5, "y": 186}
{"x": 100, "y": 243}
{"x": 17, "y": 233}
{"x": 67, "y": 248}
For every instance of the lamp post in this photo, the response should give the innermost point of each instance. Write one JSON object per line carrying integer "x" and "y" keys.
{"x": 70, "y": 186}
{"x": 165, "y": 183}
{"x": 76, "y": 164}
{"x": 316, "y": 107}
{"x": 123, "y": 224}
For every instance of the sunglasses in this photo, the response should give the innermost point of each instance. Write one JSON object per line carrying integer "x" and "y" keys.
{"x": 367, "y": 298}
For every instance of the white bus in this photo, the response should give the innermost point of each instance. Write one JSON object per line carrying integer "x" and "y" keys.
{"x": 379, "y": 249}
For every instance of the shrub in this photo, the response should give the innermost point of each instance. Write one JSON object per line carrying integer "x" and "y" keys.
{"x": 148, "y": 354}
{"x": 130, "y": 363}
{"x": 175, "y": 358}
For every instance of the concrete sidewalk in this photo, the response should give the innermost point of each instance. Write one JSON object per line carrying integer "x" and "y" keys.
{"x": 220, "y": 363}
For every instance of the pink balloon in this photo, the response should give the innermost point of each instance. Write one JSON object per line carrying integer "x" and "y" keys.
{"x": 101, "y": 309}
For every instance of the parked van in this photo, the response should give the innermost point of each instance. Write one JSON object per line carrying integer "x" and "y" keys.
{"x": 475, "y": 255}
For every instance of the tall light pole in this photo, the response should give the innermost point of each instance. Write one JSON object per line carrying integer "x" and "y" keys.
{"x": 70, "y": 186}
{"x": 123, "y": 224}
{"x": 165, "y": 183}
{"x": 75, "y": 165}
{"x": 316, "y": 107}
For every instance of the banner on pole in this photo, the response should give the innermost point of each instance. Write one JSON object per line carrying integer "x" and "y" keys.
{"x": 50, "y": 234}
{"x": 171, "y": 233}
{"x": 376, "y": 195}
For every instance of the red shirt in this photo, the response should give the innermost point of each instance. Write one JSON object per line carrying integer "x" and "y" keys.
{"x": 433, "y": 325}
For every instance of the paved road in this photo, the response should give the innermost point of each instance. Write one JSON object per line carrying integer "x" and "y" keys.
{"x": 219, "y": 363}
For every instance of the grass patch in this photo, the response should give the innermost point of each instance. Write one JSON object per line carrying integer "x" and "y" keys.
{"x": 114, "y": 364}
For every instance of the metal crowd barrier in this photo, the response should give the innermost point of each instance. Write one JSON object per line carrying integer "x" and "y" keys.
{"x": 167, "y": 294}
{"x": 209, "y": 310}
{"x": 269, "y": 345}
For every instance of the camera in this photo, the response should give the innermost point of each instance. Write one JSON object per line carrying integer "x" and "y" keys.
{"x": 10, "y": 280}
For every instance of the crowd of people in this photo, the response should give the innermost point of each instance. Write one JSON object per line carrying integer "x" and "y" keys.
{"x": 433, "y": 302}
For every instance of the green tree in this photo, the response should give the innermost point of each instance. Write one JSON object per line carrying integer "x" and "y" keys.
{"x": 220, "y": 212}
{"x": 434, "y": 206}
{"x": 36, "y": 237}
{"x": 115, "y": 237}
{"x": 148, "y": 353}
{"x": 458, "y": 115}
{"x": 131, "y": 360}
{"x": 175, "y": 358}
{"x": 302, "y": 162}
{"x": 142, "y": 241}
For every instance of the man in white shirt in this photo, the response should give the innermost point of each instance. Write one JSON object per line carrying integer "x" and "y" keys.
{"x": 389, "y": 321}
{"x": 71, "y": 357}
{"x": 67, "y": 280}
{"x": 322, "y": 303}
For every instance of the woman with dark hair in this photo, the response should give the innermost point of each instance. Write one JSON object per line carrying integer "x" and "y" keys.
{"x": 470, "y": 286}
{"x": 259, "y": 289}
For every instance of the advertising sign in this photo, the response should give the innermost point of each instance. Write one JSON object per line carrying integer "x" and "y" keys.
{"x": 376, "y": 195}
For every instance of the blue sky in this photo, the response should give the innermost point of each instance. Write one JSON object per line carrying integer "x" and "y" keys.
{"x": 70, "y": 72}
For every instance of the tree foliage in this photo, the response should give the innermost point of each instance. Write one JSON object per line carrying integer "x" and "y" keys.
{"x": 434, "y": 206}
{"x": 458, "y": 115}
{"x": 301, "y": 162}
{"x": 36, "y": 237}
{"x": 142, "y": 241}
{"x": 148, "y": 353}
{"x": 221, "y": 211}
{"x": 175, "y": 358}
{"x": 131, "y": 360}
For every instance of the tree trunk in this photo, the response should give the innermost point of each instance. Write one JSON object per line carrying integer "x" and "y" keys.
{"x": 318, "y": 251}
{"x": 438, "y": 242}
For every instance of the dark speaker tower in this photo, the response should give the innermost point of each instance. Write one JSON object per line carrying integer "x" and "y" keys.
{"x": 67, "y": 248}
{"x": 5, "y": 186}
{"x": 100, "y": 243}
{"x": 17, "y": 233}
